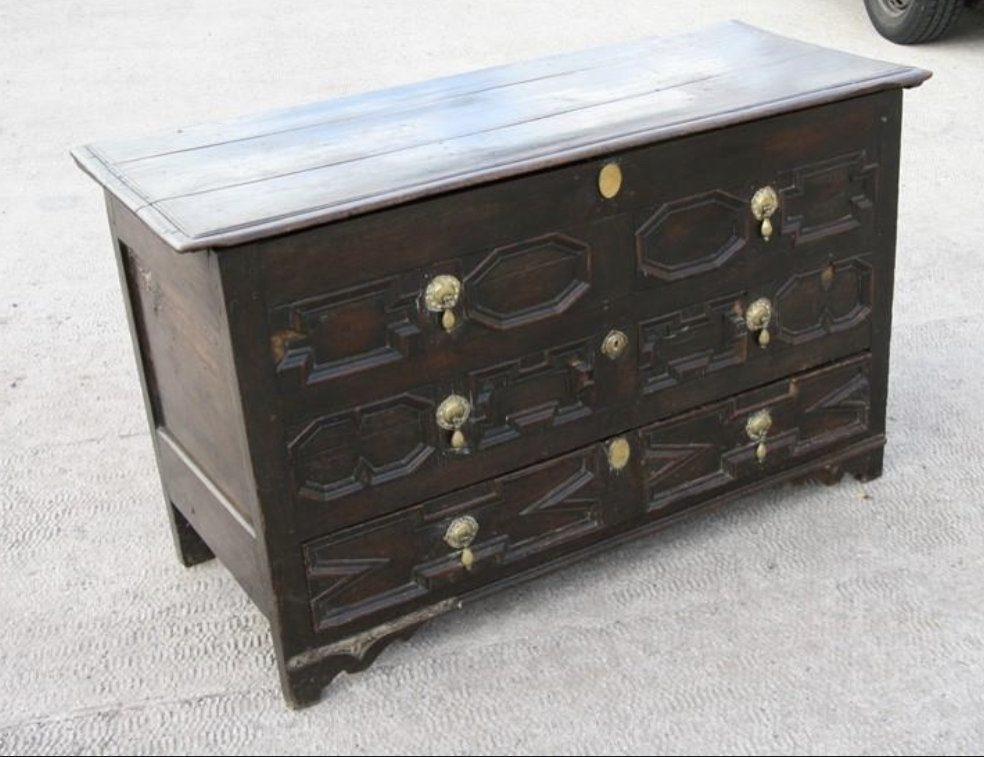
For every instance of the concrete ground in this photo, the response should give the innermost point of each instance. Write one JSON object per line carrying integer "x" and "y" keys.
{"x": 841, "y": 620}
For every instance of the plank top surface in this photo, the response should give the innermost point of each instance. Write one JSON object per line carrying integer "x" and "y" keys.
{"x": 228, "y": 182}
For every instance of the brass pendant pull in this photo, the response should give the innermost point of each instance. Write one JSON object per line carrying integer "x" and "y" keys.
{"x": 765, "y": 202}
{"x": 460, "y": 534}
{"x": 614, "y": 345}
{"x": 441, "y": 296}
{"x": 451, "y": 416}
{"x": 757, "y": 318}
{"x": 757, "y": 429}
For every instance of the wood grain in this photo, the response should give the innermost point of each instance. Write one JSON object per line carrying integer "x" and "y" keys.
{"x": 180, "y": 321}
{"x": 220, "y": 185}
{"x": 401, "y": 562}
{"x": 292, "y": 379}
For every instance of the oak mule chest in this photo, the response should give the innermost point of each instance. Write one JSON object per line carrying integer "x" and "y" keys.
{"x": 404, "y": 348}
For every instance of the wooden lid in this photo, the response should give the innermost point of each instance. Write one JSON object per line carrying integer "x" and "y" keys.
{"x": 228, "y": 182}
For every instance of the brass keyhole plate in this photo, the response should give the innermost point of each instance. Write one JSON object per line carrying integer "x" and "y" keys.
{"x": 610, "y": 180}
{"x": 614, "y": 344}
{"x": 619, "y": 452}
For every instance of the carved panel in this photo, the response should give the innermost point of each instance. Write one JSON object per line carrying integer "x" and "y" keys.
{"x": 832, "y": 411}
{"x": 692, "y": 343}
{"x": 709, "y": 449}
{"x": 344, "y": 332}
{"x": 528, "y": 281}
{"x": 828, "y": 198}
{"x": 709, "y": 337}
{"x": 543, "y": 389}
{"x": 398, "y": 558}
{"x": 341, "y": 454}
{"x": 691, "y": 235}
{"x": 677, "y": 468}
{"x": 824, "y": 301}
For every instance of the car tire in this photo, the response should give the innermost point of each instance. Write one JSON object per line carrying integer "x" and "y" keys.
{"x": 909, "y": 22}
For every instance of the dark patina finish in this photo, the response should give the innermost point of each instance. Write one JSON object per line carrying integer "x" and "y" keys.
{"x": 406, "y": 348}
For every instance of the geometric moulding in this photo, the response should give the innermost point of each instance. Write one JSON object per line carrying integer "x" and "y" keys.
{"x": 529, "y": 281}
{"x": 345, "y": 453}
{"x": 712, "y": 224}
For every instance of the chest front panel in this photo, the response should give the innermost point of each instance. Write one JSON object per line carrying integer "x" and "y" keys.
{"x": 548, "y": 271}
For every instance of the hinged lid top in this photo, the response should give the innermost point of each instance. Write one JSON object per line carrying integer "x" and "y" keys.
{"x": 233, "y": 181}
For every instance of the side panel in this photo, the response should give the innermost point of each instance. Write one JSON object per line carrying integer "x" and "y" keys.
{"x": 177, "y": 319}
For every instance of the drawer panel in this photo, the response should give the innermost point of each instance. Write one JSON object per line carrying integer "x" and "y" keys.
{"x": 385, "y": 455}
{"x": 365, "y": 448}
{"x": 393, "y": 330}
{"x": 676, "y": 337}
{"x": 823, "y": 208}
{"x": 754, "y": 434}
{"x": 547, "y": 258}
{"x": 822, "y": 160}
{"x": 830, "y": 303}
{"x": 405, "y": 557}
{"x": 381, "y": 456}
{"x": 481, "y": 533}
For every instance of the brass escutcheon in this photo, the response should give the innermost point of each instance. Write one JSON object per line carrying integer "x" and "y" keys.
{"x": 619, "y": 452}
{"x": 460, "y": 534}
{"x": 757, "y": 318}
{"x": 765, "y": 202}
{"x": 614, "y": 344}
{"x": 441, "y": 296}
{"x": 609, "y": 180}
{"x": 757, "y": 428}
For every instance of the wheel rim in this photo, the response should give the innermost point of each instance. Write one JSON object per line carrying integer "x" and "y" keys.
{"x": 896, "y": 7}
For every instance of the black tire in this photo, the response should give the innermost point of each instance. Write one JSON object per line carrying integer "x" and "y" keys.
{"x": 909, "y": 22}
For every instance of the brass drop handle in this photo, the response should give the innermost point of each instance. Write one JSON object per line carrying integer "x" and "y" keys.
{"x": 451, "y": 416}
{"x": 441, "y": 296}
{"x": 757, "y": 429}
{"x": 757, "y": 318}
{"x": 765, "y": 202}
{"x": 460, "y": 534}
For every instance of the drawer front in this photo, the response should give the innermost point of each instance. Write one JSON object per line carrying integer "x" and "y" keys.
{"x": 406, "y": 328}
{"x": 754, "y": 434}
{"x": 772, "y": 213}
{"x": 517, "y": 519}
{"x": 481, "y": 533}
{"x": 754, "y": 334}
{"x": 544, "y": 259}
{"x": 385, "y": 455}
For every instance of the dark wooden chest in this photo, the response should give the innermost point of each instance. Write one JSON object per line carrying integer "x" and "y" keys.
{"x": 408, "y": 347}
